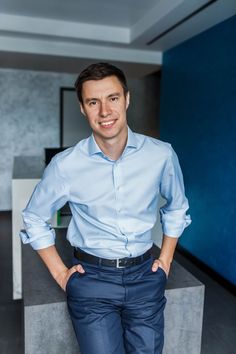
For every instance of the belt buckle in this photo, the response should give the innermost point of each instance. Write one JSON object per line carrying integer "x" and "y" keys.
{"x": 118, "y": 264}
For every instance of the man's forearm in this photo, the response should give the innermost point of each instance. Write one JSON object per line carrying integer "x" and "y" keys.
{"x": 168, "y": 248}
{"x": 167, "y": 254}
{"x": 53, "y": 261}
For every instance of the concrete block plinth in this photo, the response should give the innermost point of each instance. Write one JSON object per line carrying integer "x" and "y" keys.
{"x": 47, "y": 325}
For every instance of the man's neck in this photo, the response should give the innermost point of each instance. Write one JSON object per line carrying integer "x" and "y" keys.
{"x": 114, "y": 147}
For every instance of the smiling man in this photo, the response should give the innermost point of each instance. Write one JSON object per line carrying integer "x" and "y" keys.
{"x": 104, "y": 103}
{"x": 112, "y": 181}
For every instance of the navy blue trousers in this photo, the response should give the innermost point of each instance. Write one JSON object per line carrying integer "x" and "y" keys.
{"x": 118, "y": 311}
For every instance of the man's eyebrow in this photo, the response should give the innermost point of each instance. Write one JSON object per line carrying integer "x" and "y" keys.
{"x": 90, "y": 99}
{"x": 114, "y": 94}
{"x": 97, "y": 99}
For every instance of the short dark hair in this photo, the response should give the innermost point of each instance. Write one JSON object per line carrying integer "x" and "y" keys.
{"x": 99, "y": 71}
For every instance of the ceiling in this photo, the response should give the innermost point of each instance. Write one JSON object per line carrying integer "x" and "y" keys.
{"x": 60, "y": 35}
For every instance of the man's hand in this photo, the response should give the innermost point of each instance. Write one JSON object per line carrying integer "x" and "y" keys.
{"x": 166, "y": 255}
{"x": 56, "y": 266}
{"x": 165, "y": 265}
{"x": 64, "y": 276}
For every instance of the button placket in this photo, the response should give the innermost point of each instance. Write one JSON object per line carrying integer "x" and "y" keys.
{"x": 118, "y": 182}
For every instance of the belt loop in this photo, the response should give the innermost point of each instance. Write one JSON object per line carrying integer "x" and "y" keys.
{"x": 100, "y": 262}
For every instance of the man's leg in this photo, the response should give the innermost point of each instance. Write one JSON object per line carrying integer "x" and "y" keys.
{"x": 142, "y": 316}
{"x": 97, "y": 326}
{"x": 94, "y": 305}
{"x": 110, "y": 305}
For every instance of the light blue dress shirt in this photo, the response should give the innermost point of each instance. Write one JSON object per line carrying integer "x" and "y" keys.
{"x": 114, "y": 204}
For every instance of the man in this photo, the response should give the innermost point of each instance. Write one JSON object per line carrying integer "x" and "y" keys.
{"x": 112, "y": 181}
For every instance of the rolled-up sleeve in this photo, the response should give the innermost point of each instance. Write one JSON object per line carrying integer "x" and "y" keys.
{"x": 51, "y": 193}
{"x": 173, "y": 214}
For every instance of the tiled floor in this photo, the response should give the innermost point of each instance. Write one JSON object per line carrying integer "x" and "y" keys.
{"x": 219, "y": 326}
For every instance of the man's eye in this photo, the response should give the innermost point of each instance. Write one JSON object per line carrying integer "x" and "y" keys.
{"x": 114, "y": 99}
{"x": 92, "y": 103}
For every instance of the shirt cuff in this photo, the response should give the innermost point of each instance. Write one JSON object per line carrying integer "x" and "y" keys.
{"x": 175, "y": 229}
{"x": 37, "y": 242}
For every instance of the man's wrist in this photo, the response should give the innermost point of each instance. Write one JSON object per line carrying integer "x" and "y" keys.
{"x": 60, "y": 274}
{"x": 165, "y": 258}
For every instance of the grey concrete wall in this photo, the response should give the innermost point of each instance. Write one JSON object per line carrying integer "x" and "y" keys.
{"x": 29, "y": 118}
{"x": 143, "y": 112}
{"x": 29, "y": 115}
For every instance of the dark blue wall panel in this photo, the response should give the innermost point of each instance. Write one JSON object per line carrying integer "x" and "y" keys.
{"x": 198, "y": 116}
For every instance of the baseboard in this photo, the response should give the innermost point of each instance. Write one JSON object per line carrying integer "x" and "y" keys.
{"x": 209, "y": 271}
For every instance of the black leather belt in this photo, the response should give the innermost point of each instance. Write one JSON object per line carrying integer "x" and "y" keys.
{"x": 118, "y": 263}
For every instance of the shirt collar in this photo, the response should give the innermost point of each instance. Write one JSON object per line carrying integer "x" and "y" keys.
{"x": 93, "y": 147}
{"x": 132, "y": 140}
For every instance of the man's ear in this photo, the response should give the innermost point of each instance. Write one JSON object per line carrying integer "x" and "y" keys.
{"x": 82, "y": 109}
{"x": 127, "y": 99}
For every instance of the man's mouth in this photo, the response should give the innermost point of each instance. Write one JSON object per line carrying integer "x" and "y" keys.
{"x": 107, "y": 124}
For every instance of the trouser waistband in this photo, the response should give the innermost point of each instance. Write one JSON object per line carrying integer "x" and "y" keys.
{"x": 117, "y": 263}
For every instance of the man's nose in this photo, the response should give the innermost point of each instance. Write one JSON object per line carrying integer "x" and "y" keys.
{"x": 104, "y": 109}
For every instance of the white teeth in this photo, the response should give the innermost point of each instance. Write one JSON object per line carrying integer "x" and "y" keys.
{"x": 107, "y": 123}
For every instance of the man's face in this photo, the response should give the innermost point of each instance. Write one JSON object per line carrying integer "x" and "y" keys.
{"x": 105, "y": 105}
